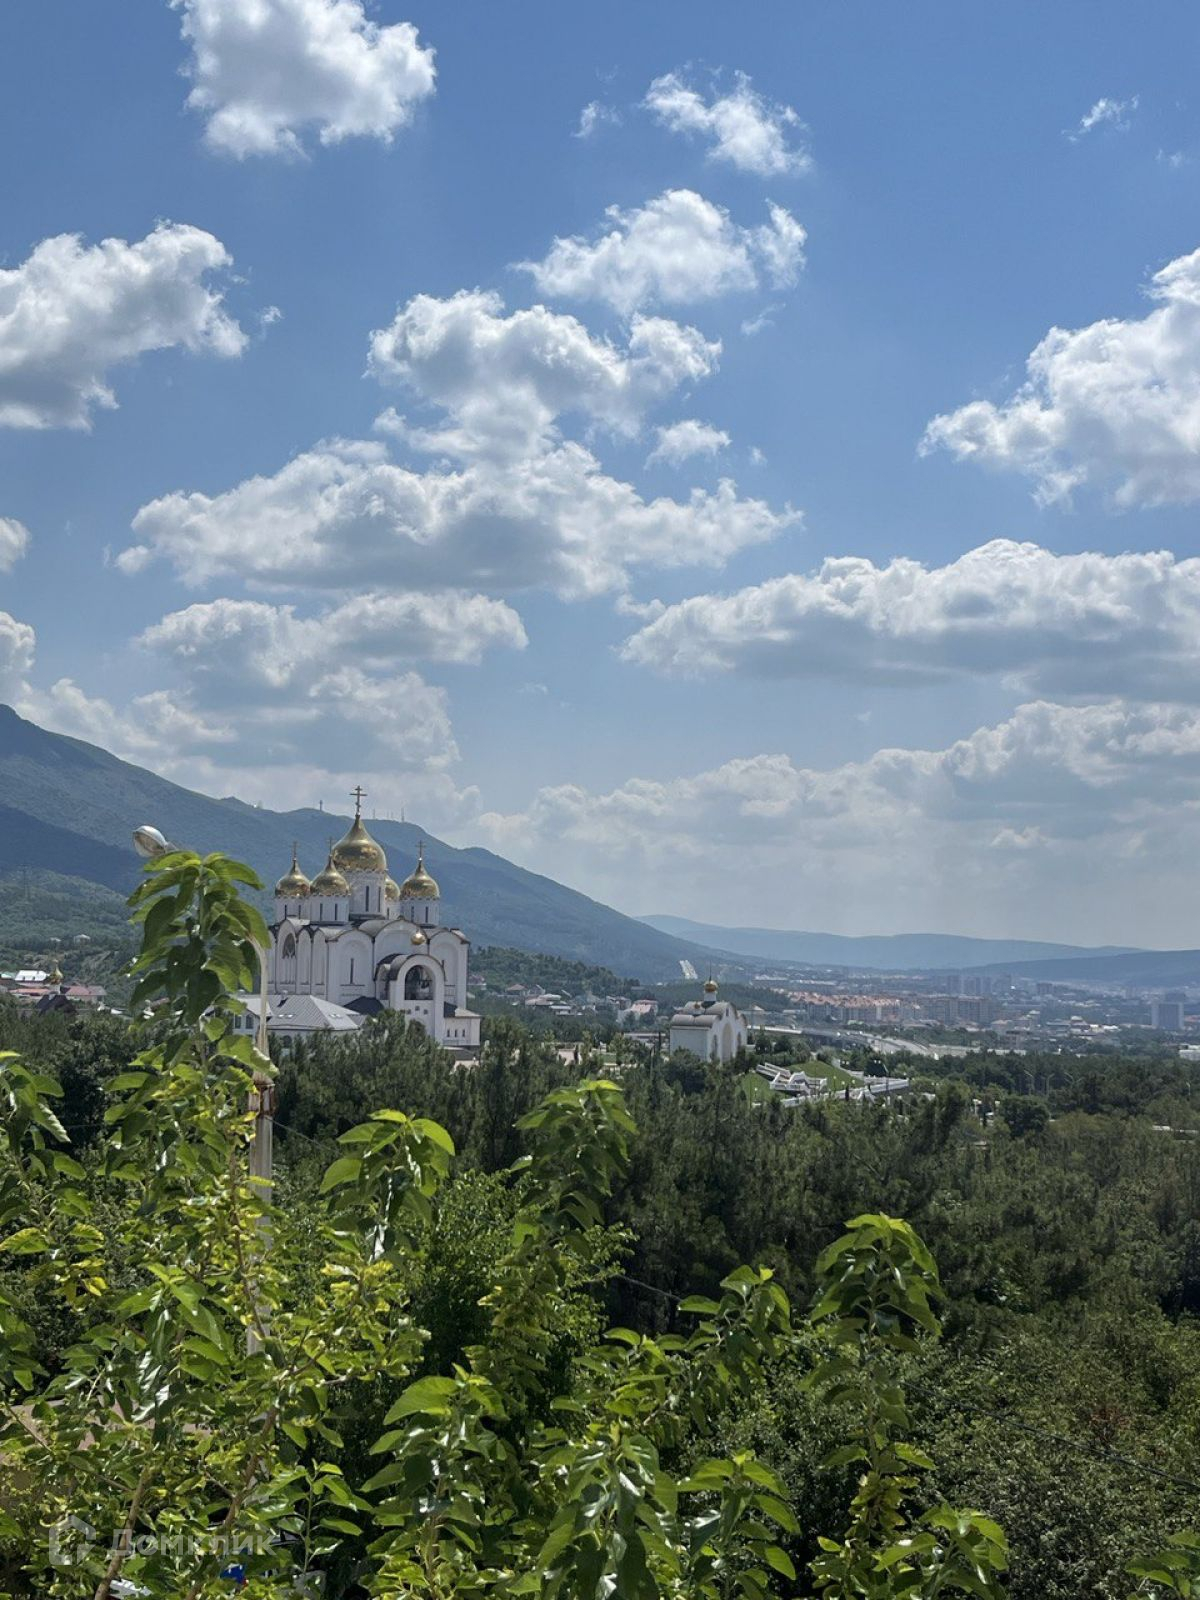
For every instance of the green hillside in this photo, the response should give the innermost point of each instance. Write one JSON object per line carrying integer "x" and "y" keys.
{"x": 69, "y": 808}
{"x": 38, "y": 907}
{"x": 500, "y": 967}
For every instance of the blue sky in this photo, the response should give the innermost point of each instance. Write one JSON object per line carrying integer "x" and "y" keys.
{"x": 798, "y": 700}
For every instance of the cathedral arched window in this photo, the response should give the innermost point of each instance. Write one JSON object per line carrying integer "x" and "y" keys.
{"x": 418, "y": 984}
{"x": 288, "y": 957}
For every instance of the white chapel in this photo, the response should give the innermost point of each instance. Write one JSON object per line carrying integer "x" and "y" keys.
{"x": 710, "y": 1028}
{"x": 354, "y": 938}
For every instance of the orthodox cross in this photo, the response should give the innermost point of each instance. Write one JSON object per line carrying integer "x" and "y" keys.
{"x": 359, "y": 794}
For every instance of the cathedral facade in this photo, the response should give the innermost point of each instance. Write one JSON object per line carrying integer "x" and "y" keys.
{"x": 353, "y": 936}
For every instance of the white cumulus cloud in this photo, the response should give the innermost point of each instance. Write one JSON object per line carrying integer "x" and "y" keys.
{"x": 1023, "y": 809}
{"x": 680, "y": 441}
{"x": 741, "y": 127}
{"x": 1114, "y": 403}
{"x": 236, "y": 642}
{"x": 505, "y": 381}
{"x": 17, "y": 644}
{"x": 286, "y": 685}
{"x": 510, "y": 505}
{"x": 265, "y": 71}
{"x": 553, "y": 519}
{"x": 674, "y": 250}
{"x": 14, "y": 541}
{"x": 1087, "y": 624}
{"x": 342, "y": 727}
{"x": 70, "y": 312}
{"x": 261, "y": 702}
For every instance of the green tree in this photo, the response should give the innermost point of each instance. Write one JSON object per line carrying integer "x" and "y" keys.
{"x": 1174, "y": 1570}
{"x": 1024, "y": 1116}
{"x": 203, "y": 1403}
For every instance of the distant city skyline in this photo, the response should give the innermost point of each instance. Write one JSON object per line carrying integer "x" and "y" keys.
{"x": 740, "y": 463}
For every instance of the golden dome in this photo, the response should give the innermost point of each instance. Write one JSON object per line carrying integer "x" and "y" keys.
{"x": 711, "y": 986}
{"x": 419, "y": 885}
{"x": 55, "y": 974}
{"x": 418, "y": 937}
{"x": 358, "y": 852}
{"x": 391, "y": 889}
{"x": 293, "y": 885}
{"x": 330, "y": 880}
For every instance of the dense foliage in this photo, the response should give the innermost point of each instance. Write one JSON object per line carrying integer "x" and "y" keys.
{"x": 216, "y": 1335}
{"x": 80, "y": 921}
{"x": 428, "y": 1403}
{"x": 502, "y": 966}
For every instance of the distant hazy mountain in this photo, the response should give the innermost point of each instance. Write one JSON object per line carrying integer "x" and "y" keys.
{"x": 1143, "y": 969}
{"x": 69, "y": 807}
{"x": 900, "y": 952}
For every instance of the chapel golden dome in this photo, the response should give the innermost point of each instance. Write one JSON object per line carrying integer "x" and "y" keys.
{"x": 391, "y": 889}
{"x": 357, "y": 851}
{"x": 711, "y": 986}
{"x": 329, "y": 880}
{"x": 55, "y": 976}
{"x": 419, "y": 885}
{"x": 293, "y": 885}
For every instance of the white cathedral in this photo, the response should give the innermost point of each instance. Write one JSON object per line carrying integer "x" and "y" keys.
{"x": 353, "y": 937}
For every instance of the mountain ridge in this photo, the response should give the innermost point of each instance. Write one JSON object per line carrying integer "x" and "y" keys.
{"x": 70, "y": 806}
{"x": 1139, "y": 969}
{"x": 897, "y": 952}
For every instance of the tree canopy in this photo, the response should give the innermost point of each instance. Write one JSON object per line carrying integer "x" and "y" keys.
{"x": 513, "y": 1333}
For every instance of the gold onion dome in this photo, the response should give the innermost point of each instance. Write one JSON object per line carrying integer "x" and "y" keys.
{"x": 293, "y": 885}
{"x": 419, "y": 885}
{"x": 358, "y": 852}
{"x": 711, "y": 986}
{"x": 55, "y": 974}
{"x": 418, "y": 937}
{"x": 391, "y": 889}
{"x": 330, "y": 880}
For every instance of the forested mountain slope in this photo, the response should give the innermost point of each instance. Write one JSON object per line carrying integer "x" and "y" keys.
{"x": 69, "y": 807}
